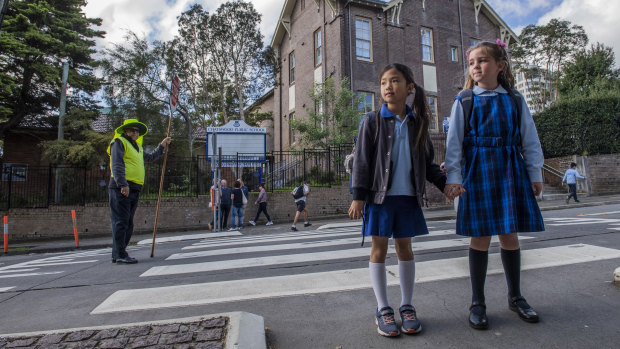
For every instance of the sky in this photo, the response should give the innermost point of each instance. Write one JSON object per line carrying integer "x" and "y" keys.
{"x": 156, "y": 19}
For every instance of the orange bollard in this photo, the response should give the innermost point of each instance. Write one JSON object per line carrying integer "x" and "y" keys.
{"x": 6, "y": 234}
{"x": 75, "y": 231}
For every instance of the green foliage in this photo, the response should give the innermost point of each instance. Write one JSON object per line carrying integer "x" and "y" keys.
{"x": 581, "y": 125}
{"x": 542, "y": 53}
{"x": 592, "y": 70}
{"x": 333, "y": 120}
{"x": 36, "y": 36}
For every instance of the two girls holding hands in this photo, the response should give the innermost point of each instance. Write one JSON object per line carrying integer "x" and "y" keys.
{"x": 493, "y": 160}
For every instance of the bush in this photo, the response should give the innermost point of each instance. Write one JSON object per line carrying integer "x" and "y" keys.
{"x": 581, "y": 125}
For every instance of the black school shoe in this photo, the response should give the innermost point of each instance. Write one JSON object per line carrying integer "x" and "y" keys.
{"x": 478, "y": 316}
{"x": 126, "y": 260}
{"x": 524, "y": 310}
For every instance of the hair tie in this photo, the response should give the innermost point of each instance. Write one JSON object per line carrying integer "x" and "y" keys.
{"x": 467, "y": 54}
{"x": 501, "y": 43}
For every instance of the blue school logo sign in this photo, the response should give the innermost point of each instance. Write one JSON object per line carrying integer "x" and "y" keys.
{"x": 236, "y": 123}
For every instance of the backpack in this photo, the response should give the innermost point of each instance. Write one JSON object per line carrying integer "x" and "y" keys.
{"x": 372, "y": 123}
{"x": 467, "y": 101}
{"x": 298, "y": 192}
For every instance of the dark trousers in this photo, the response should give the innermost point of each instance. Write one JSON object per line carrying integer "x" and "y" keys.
{"x": 573, "y": 191}
{"x": 262, "y": 207}
{"x": 122, "y": 210}
{"x": 225, "y": 212}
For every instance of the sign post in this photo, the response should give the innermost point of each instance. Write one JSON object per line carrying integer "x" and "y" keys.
{"x": 174, "y": 99}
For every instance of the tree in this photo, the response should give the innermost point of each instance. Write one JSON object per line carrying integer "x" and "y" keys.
{"x": 36, "y": 36}
{"x": 239, "y": 41}
{"x": 591, "y": 70}
{"x": 333, "y": 120}
{"x": 542, "y": 53}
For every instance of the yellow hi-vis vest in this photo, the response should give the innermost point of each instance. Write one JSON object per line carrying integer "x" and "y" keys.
{"x": 134, "y": 161}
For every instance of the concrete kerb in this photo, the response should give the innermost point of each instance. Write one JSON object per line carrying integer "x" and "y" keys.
{"x": 251, "y": 337}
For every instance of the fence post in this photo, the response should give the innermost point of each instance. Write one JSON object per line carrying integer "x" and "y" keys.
{"x": 10, "y": 185}
{"x": 49, "y": 184}
{"x": 329, "y": 165}
{"x": 304, "y": 161}
{"x": 84, "y": 188}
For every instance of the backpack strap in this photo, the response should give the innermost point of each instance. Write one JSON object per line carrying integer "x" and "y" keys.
{"x": 517, "y": 97}
{"x": 467, "y": 101}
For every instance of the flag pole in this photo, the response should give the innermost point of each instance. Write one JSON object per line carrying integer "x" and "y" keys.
{"x": 173, "y": 102}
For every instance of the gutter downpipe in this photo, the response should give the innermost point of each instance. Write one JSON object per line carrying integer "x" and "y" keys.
{"x": 348, "y": 5}
{"x": 462, "y": 44}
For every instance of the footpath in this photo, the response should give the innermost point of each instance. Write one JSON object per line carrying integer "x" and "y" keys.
{"x": 226, "y": 330}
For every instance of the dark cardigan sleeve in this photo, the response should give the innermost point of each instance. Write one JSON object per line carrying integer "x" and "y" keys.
{"x": 364, "y": 149}
{"x": 434, "y": 174}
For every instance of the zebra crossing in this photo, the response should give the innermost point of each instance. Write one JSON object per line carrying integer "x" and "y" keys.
{"x": 334, "y": 243}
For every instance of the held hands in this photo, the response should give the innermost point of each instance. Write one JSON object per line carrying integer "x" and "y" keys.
{"x": 537, "y": 188}
{"x": 357, "y": 209}
{"x": 166, "y": 142}
{"x": 453, "y": 190}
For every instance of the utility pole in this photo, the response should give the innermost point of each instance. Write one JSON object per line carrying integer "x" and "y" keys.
{"x": 61, "y": 116}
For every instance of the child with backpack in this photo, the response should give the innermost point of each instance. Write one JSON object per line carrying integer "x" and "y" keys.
{"x": 393, "y": 159}
{"x": 300, "y": 194}
{"x": 494, "y": 160}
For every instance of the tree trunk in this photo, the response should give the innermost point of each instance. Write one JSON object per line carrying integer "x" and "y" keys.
{"x": 223, "y": 99}
{"x": 20, "y": 111}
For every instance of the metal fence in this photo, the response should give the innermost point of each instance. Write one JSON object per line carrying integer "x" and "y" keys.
{"x": 24, "y": 186}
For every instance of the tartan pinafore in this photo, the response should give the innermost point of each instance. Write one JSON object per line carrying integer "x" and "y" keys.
{"x": 499, "y": 197}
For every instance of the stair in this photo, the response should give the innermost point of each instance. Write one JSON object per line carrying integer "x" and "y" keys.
{"x": 553, "y": 192}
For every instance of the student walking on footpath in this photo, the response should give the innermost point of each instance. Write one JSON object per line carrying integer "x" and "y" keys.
{"x": 127, "y": 160}
{"x": 570, "y": 177}
{"x": 261, "y": 201}
{"x": 237, "y": 206}
{"x": 393, "y": 159}
{"x": 301, "y": 207}
{"x": 500, "y": 177}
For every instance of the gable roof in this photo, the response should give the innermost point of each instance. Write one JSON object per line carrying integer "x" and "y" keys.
{"x": 284, "y": 22}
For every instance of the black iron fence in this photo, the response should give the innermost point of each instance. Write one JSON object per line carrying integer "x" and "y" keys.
{"x": 24, "y": 186}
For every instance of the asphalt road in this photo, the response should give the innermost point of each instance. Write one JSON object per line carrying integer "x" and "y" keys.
{"x": 311, "y": 287}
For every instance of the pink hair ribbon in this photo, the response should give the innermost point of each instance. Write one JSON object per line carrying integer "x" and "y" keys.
{"x": 501, "y": 43}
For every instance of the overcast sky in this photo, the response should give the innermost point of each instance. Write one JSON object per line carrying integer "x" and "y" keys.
{"x": 156, "y": 19}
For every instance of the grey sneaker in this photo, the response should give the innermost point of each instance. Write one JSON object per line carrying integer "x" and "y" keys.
{"x": 252, "y": 222}
{"x": 269, "y": 223}
{"x": 386, "y": 325}
{"x": 411, "y": 324}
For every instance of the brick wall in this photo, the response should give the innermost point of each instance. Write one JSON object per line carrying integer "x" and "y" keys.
{"x": 601, "y": 172}
{"x": 179, "y": 214}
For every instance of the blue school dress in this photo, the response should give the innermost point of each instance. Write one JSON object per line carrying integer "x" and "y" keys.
{"x": 499, "y": 197}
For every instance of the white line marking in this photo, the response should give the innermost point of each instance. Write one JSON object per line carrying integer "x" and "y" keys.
{"x": 30, "y": 274}
{"x": 295, "y": 258}
{"x": 4, "y": 289}
{"x": 341, "y": 280}
{"x": 259, "y": 240}
{"x": 189, "y": 237}
{"x": 21, "y": 270}
{"x": 600, "y": 213}
{"x": 341, "y": 225}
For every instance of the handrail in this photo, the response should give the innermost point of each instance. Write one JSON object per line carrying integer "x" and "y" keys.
{"x": 553, "y": 171}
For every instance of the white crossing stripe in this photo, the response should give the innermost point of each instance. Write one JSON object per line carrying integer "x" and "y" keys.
{"x": 29, "y": 274}
{"x": 578, "y": 221}
{"x": 332, "y": 281}
{"x": 296, "y": 258}
{"x": 189, "y": 237}
{"x": 341, "y": 225}
{"x": 4, "y": 289}
{"x": 599, "y": 213}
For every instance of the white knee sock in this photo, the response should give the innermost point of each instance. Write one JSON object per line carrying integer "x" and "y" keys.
{"x": 379, "y": 283}
{"x": 406, "y": 271}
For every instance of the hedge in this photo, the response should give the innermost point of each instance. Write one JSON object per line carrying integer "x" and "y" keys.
{"x": 581, "y": 126}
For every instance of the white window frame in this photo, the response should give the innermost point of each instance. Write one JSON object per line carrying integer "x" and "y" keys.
{"x": 291, "y": 68}
{"x": 291, "y": 131}
{"x": 427, "y": 44}
{"x": 363, "y": 39}
{"x": 318, "y": 47}
{"x": 364, "y": 104}
{"x": 454, "y": 53}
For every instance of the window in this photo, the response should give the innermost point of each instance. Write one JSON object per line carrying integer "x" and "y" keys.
{"x": 427, "y": 45}
{"x": 473, "y": 42}
{"x": 15, "y": 172}
{"x": 454, "y": 54}
{"x": 367, "y": 101}
{"x": 318, "y": 48}
{"x": 291, "y": 67}
{"x": 363, "y": 39}
{"x": 432, "y": 103}
{"x": 291, "y": 131}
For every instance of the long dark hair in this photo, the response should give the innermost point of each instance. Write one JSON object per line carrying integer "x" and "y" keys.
{"x": 420, "y": 104}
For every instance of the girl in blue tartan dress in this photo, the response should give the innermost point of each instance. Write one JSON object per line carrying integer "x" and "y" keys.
{"x": 494, "y": 162}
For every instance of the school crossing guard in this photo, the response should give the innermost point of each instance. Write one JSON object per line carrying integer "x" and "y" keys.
{"x": 343, "y": 243}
